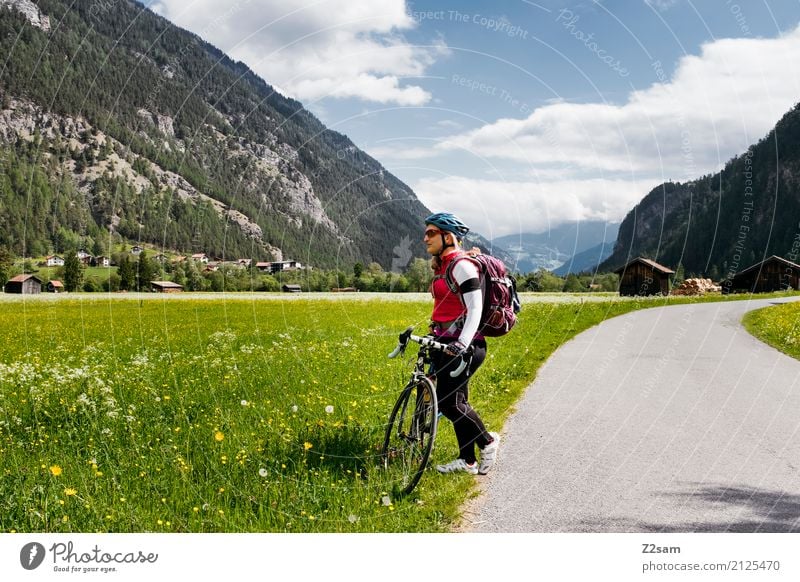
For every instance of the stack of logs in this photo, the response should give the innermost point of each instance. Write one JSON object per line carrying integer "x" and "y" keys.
{"x": 696, "y": 287}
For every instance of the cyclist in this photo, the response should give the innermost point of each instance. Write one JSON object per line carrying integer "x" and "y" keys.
{"x": 455, "y": 321}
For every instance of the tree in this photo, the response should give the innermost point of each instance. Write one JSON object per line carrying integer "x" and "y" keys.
{"x": 679, "y": 276}
{"x": 6, "y": 264}
{"x": 573, "y": 284}
{"x": 127, "y": 273}
{"x": 358, "y": 269}
{"x": 144, "y": 273}
{"x": 73, "y": 271}
{"x": 419, "y": 275}
{"x": 194, "y": 280}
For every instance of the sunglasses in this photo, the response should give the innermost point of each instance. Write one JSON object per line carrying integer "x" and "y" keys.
{"x": 431, "y": 232}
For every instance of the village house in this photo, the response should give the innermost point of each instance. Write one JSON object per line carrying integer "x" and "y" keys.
{"x": 24, "y": 284}
{"x": 84, "y": 257}
{"x": 54, "y": 261}
{"x": 101, "y": 261}
{"x": 136, "y": 250}
{"x": 277, "y": 266}
{"x": 200, "y": 257}
{"x": 285, "y": 266}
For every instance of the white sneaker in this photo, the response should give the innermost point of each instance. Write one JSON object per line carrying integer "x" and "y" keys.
{"x": 457, "y": 466}
{"x": 489, "y": 454}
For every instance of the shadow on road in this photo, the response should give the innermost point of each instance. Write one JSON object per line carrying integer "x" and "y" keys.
{"x": 761, "y": 510}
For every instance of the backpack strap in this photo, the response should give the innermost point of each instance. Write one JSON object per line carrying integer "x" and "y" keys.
{"x": 448, "y": 274}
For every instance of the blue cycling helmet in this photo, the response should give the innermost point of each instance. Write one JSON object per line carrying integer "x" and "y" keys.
{"x": 449, "y": 223}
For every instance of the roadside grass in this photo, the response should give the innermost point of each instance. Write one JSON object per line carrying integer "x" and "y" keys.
{"x": 778, "y": 326}
{"x": 217, "y": 415}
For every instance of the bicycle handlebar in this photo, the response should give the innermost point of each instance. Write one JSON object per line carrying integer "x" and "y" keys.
{"x": 428, "y": 341}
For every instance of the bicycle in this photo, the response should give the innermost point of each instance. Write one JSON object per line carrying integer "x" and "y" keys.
{"x": 411, "y": 430}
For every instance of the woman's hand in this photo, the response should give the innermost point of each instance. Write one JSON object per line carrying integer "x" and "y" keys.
{"x": 455, "y": 349}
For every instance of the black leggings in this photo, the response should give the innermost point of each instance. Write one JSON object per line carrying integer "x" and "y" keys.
{"x": 452, "y": 395}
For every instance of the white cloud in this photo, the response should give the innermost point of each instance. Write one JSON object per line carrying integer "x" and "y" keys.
{"x": 400, "y": 152}
{"x": 312, "y": 50}
{"x": 661, "y": 5}
{"x": 496, "y": 208}
{"x": 714, "y": 106}
{"x": 581, "y": 161}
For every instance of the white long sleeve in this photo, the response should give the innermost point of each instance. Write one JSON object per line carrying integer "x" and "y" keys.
{"x": 465, "y": 270}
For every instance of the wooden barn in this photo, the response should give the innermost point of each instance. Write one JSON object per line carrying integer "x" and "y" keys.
{"x": 772, "y": 274}
{"x": 55, "y": 286}
{"x": 292, "y": 289}
{"x": 165, "y": 287}
{"x": 644, "y": 277}
{"x": 25, "y": 284}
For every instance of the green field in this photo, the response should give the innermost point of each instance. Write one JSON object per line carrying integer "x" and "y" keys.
{"x": 779, "y": 326}
{"x": 220, "y": 415}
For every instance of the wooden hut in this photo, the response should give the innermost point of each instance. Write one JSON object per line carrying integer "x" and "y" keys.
{"x": 644, "y": 277}
{"x": 292, "y": 288}
{"x": 772, "y": 274}
{"x": 165, "y": 287}
{"x": 55, "y": 286}
{"x": 25, "y": 284}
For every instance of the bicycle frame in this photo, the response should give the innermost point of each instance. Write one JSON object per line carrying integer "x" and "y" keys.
{"x": 411, "y": 430}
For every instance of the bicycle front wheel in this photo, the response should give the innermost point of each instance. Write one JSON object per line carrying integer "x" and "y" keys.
{"x": 410, "y": 434}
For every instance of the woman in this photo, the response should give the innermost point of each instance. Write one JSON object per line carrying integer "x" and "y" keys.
{"x": 455, "y": 321}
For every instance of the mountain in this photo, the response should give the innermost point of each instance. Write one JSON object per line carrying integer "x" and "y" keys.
{"x": 553, "y": 248}
{"x": 720, "y": 224}
{"x": 116, "y": 125}
{"x": 586, "y": 261}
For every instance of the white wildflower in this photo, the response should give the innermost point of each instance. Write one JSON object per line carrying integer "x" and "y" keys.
{"x": 329, "y": 409}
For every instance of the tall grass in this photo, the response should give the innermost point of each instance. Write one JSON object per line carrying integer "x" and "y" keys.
{"x": 232, "y": 416}
{"x": 778, "y": 325}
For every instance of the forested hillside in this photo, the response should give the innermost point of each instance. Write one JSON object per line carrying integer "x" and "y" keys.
{"x": 723, "y": 223}
{"x": 116, "y": 123}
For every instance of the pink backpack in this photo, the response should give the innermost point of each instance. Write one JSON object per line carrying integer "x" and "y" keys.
{"x": 500, "y": 300}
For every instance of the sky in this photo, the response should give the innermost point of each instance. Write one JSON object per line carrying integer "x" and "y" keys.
{"x": 517, "y": 115}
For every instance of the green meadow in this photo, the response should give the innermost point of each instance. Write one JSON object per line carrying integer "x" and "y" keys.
{"x": 778, "y": 325}
{"x": 233, "y": 415}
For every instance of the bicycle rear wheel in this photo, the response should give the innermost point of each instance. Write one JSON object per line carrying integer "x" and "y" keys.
{"x": 410, "y": 434}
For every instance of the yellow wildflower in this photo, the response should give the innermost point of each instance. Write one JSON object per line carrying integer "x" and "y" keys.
{"x": 307, "y": 445}
{"x": 218, "y": 436}
{"x": 55, "y": 470}
{"x": 69, "y": 492}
